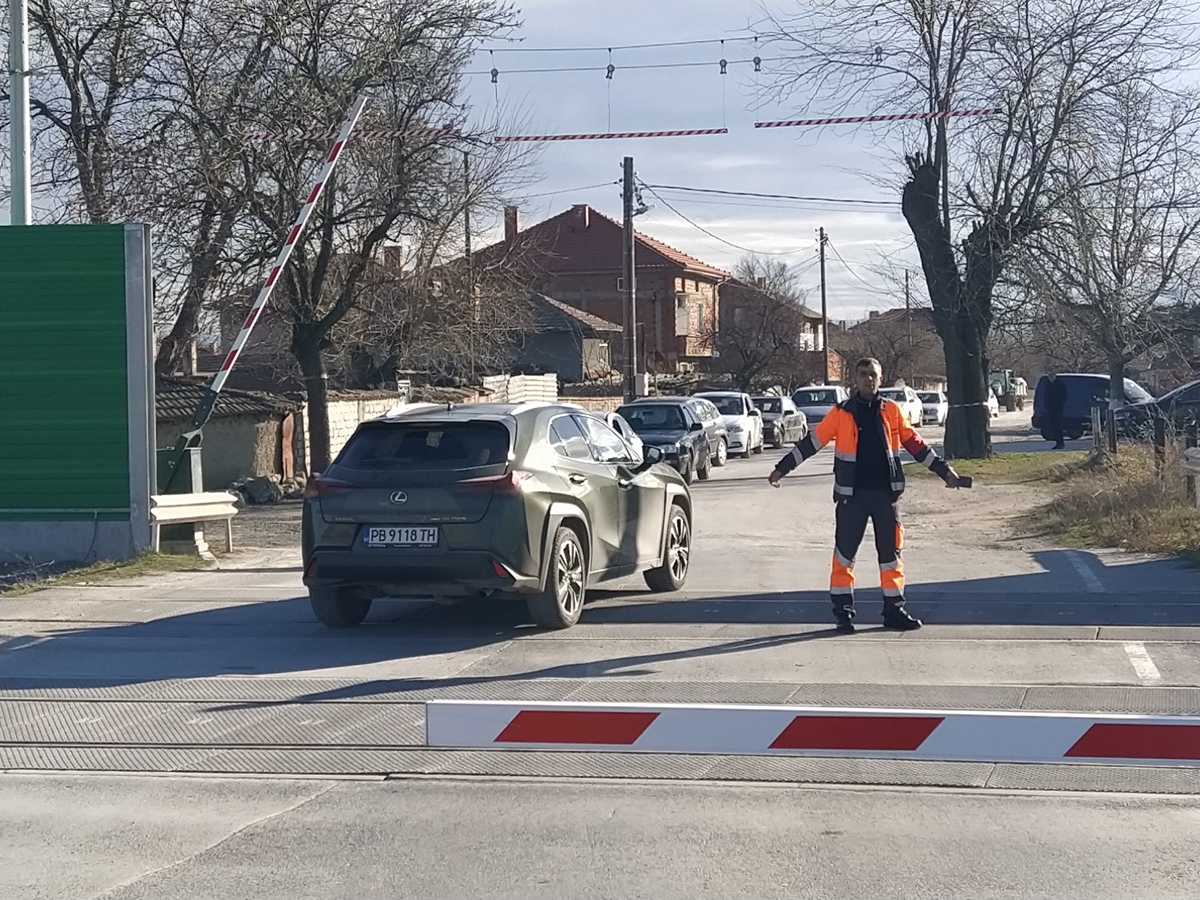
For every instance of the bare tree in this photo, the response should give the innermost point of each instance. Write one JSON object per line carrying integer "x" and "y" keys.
{"x": 976, "y": 189}
{"x": 408, "y": 55}
{"x": 904, "y": 342}
{"x": 762, "y": 335}
{"x": 1124, "y": 242}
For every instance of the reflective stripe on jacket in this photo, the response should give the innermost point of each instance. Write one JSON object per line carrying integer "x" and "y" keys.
{"x": 839, "y": 426}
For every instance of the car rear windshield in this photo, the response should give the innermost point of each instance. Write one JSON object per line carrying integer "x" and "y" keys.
{"x": 728, "y": 406}
{"x": 428, "y": 446}
{"x": 653, "y": 417}
{"x": 814, "y": 398}
{"x": 929, "y": 397}
{"x": 894, "y": 395}
{"x": 769, "y": 404}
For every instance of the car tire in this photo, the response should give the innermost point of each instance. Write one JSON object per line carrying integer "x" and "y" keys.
{"x": 338, "y": 607}
{"x": 560, "y": 604}
{"x": 722, "y": 453}
{"x": 672, "y": 574}
{"x": 688, "y": 469}
{"x": 1074, "y": 434}
{"x": 702, "y": 472}
{"x": 758, "y": 448}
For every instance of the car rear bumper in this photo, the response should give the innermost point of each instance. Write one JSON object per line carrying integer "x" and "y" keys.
{"x": 443, "y": 573}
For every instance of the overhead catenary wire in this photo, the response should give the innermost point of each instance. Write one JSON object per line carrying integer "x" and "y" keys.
{"x": 690, "y": 43}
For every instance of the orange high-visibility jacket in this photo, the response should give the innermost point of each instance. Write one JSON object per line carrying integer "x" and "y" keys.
{"x": 839, "y": 426}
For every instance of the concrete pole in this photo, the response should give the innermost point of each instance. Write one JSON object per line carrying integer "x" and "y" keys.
{"x": 824, "y": 314}
{"x": 20, "y": 201}
{"x": 629, "y": 282}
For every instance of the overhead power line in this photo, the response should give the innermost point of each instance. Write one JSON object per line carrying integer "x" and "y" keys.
{"x": 731, "y": 40}
{"x": 716, "y": 237}
{"x": 496, "y": 72}
{"x": 724, "y": 193}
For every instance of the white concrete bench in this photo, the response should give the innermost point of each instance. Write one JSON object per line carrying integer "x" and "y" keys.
{"x": 184, "y": 509}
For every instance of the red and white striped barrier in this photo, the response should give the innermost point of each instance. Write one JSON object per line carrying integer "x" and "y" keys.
{"x": 858, "y": 120}
{"x": 446, "y": 131}
{"x": 285, "y": 251}
{"x": 605, "y": 135}
{"x": 965, "y": 736}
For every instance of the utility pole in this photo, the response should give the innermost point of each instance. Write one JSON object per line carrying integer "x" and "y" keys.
{"x": 824, "y": 312}
{"x": 628, "y": 283}
{"x": 20, "y": 202}
{"x": 908, "y": 318}
{"x": 467, "y": 252}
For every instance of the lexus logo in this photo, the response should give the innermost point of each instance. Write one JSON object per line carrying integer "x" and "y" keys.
{"x": 399, "y": 497}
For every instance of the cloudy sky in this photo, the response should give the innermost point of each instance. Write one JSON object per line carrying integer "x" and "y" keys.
{"x": 839, "y": 163}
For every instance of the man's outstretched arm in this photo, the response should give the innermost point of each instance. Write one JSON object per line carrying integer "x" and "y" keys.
{"x": 923, "y": 453}
{"x": 807, "y": 446}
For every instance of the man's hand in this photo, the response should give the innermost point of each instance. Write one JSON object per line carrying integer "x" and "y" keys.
{"x": 951, "y": 477}
{"x": 774, "y": 478}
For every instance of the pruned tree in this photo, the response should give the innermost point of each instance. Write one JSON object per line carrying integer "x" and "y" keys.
{"x": 1125, "y": 241}
{"x": 977, "y": 188}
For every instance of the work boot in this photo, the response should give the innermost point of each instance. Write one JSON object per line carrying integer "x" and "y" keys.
{"x": 896, "y": 618}
{"x": 845, "y": 624}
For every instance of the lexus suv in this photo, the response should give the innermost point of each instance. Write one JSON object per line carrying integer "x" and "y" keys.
{"x": 540, "y": 499}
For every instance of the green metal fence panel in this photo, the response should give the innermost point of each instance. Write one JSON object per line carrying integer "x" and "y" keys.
{"x": 64, "y": 417}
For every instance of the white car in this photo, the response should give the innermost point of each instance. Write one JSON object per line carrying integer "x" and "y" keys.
{"x": 935, "y": 407}
{"x": 908, "y": 400}
{"x": 816, "y": 400}
{"x": 617, "y": 423}
{"x": 743, "y": 421}
{"x": 993, "y": 404}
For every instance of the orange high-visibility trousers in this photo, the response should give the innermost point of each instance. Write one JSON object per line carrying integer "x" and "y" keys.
{"x": 852, "y": 515}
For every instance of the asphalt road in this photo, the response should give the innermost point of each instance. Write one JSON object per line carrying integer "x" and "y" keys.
{"x": 200, "y": 735}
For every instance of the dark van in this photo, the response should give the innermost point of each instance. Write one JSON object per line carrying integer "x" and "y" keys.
{"x": 1083, "y": 392}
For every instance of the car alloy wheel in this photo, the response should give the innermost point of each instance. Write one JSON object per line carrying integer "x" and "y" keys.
{"x": 722, "y": 453}
{"x": 672, "y": 574}
{"x": 560, "y": 604}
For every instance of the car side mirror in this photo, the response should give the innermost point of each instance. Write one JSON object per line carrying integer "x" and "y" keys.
{"x": 696, "y": 426}
{"x": 650, "y": 456}
{"x": 756, "y": 412}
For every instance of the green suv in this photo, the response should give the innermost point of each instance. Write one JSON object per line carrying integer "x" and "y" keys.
{"x": 470, "y": 500}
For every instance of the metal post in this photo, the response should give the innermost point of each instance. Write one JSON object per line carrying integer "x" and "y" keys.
{"x": 21, "y": 200}
{"x": 1189, "y": 440}
{"x": 912, "y": 375}
{"x": 1160, "y": 445}
{"x": 1110, "y": 422}
{"x": 1097, "y": 431}
{"x": 824, "y": 314}
{"x": 467, "y": 252}
{"x": 629, "y": 283}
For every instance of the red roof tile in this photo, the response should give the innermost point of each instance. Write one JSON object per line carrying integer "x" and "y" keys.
{"x": 566, "y": 244}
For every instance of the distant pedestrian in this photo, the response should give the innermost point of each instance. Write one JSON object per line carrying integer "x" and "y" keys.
{"x": 868, "y": 479}
{"x": 1056, "y": 400}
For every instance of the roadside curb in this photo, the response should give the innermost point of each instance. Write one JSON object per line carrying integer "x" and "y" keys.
{"x": 933, "y": 735}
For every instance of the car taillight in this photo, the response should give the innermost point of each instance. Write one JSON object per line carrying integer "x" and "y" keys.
{"x": 508, "y": 484}
{"x": 318, "y": 486}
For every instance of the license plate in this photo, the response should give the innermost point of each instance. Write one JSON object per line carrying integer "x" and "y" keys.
{"x": 400, "y": 536}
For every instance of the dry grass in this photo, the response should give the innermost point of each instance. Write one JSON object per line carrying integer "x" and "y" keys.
{"x": 1122, "y": 502}
{"x": 37, "y": 578}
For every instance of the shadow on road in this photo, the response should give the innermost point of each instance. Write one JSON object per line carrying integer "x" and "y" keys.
{"x": 281, "y": 636}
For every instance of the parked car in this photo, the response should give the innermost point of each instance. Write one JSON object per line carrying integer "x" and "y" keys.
{"x": 909, "y": 402}
{"x": 815, "y": 401}
{"x": 782, "y": 422}
{"x": 673, "y": 427}
{"x": 934, "y": 407}
{"x": 714, "y": 429}
{"x": 617, "y": 423}
{"x": 742, "y": 421}
{"x": 538, "y": 499}
{"x": 1179, "y": 408}
{"x": 1084, "y": 391}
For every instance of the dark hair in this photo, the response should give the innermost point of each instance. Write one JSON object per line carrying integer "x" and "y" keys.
{"x": 868, "y": 362}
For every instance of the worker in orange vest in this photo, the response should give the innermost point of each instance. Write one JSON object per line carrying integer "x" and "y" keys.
{"x": 868, "y": 479}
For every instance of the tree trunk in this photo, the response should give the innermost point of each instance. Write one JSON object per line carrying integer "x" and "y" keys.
{"x": 312, "y": 364}
{"x": 959, "y": 312}
{"x": 1116, "y": 381}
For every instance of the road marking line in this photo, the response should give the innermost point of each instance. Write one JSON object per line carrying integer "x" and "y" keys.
{"x": 1094, "y": 585}
{"x": 1147, "y": 671}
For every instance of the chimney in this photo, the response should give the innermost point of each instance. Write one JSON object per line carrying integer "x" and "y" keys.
{"x": 512, "y": 224}
{"x": 582, "y": 219}
{"x": 873, "y": 314}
